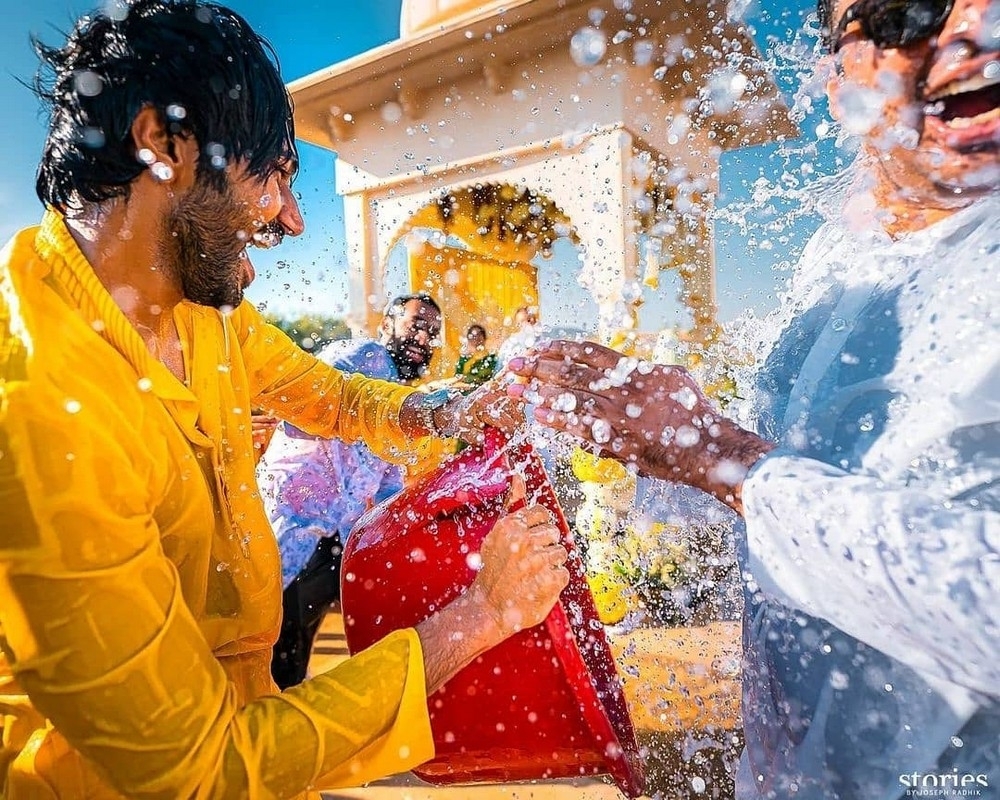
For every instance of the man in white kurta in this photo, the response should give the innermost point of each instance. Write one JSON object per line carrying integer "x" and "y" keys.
{"x": 866, "y": 458}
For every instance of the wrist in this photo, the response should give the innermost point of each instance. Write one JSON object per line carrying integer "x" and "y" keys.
{"x": 446, "y": 417}
{"x": 485, "y": 628}
{"x": 431, "y": 413}
{"x": 727, "y": 459}
{"x": 455, "y": 635}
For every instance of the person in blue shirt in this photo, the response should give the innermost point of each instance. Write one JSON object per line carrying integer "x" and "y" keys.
{"x": 865, "y": 456}
{"x": 315, "y": 489}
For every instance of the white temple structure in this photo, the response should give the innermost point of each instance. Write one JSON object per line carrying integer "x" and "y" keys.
{"x": 507, "y": 124}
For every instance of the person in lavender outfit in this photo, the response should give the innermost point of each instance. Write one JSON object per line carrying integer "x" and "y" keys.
{"x": 315, "y": 489}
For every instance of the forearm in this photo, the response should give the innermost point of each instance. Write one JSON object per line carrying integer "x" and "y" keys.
{"x": 455, "y": 635}
{"x": 716, "y": 464}
{"x": 318, "y": 398}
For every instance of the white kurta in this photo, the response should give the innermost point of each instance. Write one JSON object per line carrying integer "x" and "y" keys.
{"x": 872, "y": 629}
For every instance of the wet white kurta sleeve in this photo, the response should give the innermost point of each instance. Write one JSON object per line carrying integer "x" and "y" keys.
{"x": 910, "y": 571}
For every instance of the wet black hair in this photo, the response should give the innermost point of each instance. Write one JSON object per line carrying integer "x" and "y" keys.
{"x": 200, "y": 65}
{"x": 397, "y": 305}
{"x": 824, "y": 10}
{"x": 476, "y": 327}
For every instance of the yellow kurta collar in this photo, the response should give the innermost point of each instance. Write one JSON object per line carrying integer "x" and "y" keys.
{"x": 82, "y": 288}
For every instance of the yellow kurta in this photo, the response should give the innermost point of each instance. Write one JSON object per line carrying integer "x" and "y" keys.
{"x": 139, "y": 578}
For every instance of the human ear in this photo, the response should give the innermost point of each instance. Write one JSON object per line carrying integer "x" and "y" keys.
{"x": 172, "y": 158}
{"x": 834, "y": 84}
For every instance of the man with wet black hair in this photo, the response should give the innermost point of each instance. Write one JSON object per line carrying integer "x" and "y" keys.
{"x": 865, "y": 458}
{"x": 139, "y": 578}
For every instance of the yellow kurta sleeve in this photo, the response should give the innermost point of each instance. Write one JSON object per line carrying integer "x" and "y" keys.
{"x": 98, "y": 635}
{"x": 293, "y": 385}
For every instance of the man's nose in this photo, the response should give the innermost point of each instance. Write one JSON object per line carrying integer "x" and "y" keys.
{"x": 290, "y": 216}
{"x": 966, "y": 23}
{"x": 422, "y": 337}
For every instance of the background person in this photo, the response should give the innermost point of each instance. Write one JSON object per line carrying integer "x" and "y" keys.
{"x": 139, "y": 577}
{"x": 315, "y": 489}
{"x": 866, "y": 460}
{"x": 476, "y": 365}
{"x": 525, "y": 335}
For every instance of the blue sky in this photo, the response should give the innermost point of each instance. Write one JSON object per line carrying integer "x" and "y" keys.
{"x": 311, "y": 34}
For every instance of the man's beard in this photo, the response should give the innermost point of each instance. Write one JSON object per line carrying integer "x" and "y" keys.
{"x": 201, "y": 245}
{"x": 408, "y": 370}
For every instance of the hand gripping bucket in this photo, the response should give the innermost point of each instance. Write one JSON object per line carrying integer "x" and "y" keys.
{"x": 546, "y": 703}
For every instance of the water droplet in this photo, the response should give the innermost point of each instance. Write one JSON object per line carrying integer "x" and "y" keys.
{"x": 861, "y": 108}
{"x": 839, "y": 680}
{"x": 92, "y": 137}
{"x": 686, "y": 397}
{"x": 88, "y": 83}
{"x": 391, "y": 112}
{"x": 643, "y": 52}
{"x": 687, "y": 436}
{"x": 587, "y": 47}
{"x": 601, "y": 431}
{"x": 565, "y": 402}
{"x": 73, "y": 406}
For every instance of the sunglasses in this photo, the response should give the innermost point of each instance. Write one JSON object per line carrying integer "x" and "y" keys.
{"x": 893, "y": 23}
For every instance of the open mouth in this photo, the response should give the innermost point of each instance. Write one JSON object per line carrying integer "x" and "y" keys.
{"x": 965, "y": 103}
{"x": 270, "y": 235}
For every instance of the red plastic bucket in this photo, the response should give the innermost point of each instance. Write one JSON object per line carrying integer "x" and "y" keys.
{"x": 546, "y": 703}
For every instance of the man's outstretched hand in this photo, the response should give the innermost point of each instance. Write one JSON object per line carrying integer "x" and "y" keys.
{"x": 651, "y": 416}
{"x": 488, "y": 406}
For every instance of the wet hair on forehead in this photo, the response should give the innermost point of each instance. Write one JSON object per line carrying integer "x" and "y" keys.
{"x": 824, "y": 10}
{"x": 199, "y": 65}
{"x": 397, "y": 306}
{"x": 476, "y": 330}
